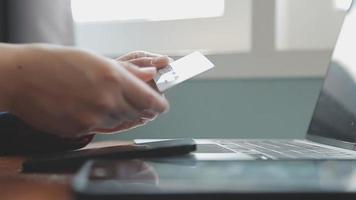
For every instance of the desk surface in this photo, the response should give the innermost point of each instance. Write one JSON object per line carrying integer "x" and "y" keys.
{"x": 17, "y": 186}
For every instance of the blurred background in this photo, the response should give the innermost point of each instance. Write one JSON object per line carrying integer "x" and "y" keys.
{"x": 270, "y": 57}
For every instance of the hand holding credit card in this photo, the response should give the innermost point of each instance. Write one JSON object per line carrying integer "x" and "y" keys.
{"x": 181, "y": 70}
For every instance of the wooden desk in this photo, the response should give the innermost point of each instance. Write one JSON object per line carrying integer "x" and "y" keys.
{"x": 17, "y": 186}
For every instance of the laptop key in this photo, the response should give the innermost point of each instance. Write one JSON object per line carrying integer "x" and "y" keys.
{"x": 283, "y": 149}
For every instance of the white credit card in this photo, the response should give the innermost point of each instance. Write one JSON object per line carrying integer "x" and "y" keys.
{"x": 182, "y": 70}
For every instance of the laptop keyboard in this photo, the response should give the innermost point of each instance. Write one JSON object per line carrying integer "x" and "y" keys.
{"x": 283, "y": 149}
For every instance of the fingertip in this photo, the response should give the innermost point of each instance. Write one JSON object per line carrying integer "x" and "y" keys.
{"x": 161, "y": 62}
{"x": 145, "y": 74}
{"x": 157, "y": 104}
{"x": 148, "y": 73}
{"x": 164, "y": 107}
{"x": 146, "y": 114}
{"x": 143, "y": 97}
{"x": 150, "y": 70}
{"x": 168, "y": 107}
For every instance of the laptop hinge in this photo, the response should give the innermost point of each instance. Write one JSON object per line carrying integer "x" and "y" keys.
{"x": 332, "y": 142}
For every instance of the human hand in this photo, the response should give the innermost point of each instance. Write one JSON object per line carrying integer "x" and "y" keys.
{"x": 143, "y": 65}
{"x": 69, "y": 92}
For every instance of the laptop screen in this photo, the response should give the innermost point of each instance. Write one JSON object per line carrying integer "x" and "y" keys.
{"x": 335, "y": 113}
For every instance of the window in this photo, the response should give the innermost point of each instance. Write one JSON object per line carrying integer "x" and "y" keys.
{"x": 316, "y": 28}
{"x": 146, "y": 10}
{"x": 342, "y": 4}
{"x": 244, "y": 38}
{"x": 174, "y": 27}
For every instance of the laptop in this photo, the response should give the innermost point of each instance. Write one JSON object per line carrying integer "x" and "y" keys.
{"x": 332, "y": 129}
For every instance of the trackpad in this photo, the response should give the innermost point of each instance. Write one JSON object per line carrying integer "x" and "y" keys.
{"x": 216, "y": 152}
{"x": 211, "y": 148}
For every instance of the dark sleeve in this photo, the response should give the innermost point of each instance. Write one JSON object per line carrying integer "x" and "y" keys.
{"x": 16, "y": 137}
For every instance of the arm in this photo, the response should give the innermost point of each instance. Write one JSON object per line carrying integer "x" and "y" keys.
{"x": 16, "y": 136}
{"x": 55, "y": 92}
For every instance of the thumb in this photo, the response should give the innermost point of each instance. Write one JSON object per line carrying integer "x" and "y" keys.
{"x": 145, "y": 74}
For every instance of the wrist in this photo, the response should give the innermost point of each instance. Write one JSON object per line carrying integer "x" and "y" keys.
{"x": 10, "y": 65}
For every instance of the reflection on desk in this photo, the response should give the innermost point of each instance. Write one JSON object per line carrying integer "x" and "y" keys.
{"x": 17, "y": 186}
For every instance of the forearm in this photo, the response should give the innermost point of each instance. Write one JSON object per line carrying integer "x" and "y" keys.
{"x": 10, "y": 63}
{"x": 17, "y": 136}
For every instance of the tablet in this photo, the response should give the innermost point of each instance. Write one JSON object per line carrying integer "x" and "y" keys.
{"x": 166, "y": 179}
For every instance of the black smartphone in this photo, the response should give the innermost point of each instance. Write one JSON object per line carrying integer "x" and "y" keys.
{"x": 72, "y": 160}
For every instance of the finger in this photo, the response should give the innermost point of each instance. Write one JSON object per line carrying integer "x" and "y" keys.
{"x": 148, "y": 115}
{"x": 141, "y": 96}
{"x": 137, "y": 54}
{"x": 159, "y": 62}
{"x": 143, "y": 119}
{"x": 145, "y": 74}
{"x": 124, "y": 112}
{"x": 153, "y": 85}
{"x": 127, "y": 125}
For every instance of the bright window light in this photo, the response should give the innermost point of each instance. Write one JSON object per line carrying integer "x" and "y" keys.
{"x": 343, "y": 4}
{"x": 152, "y": 10}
